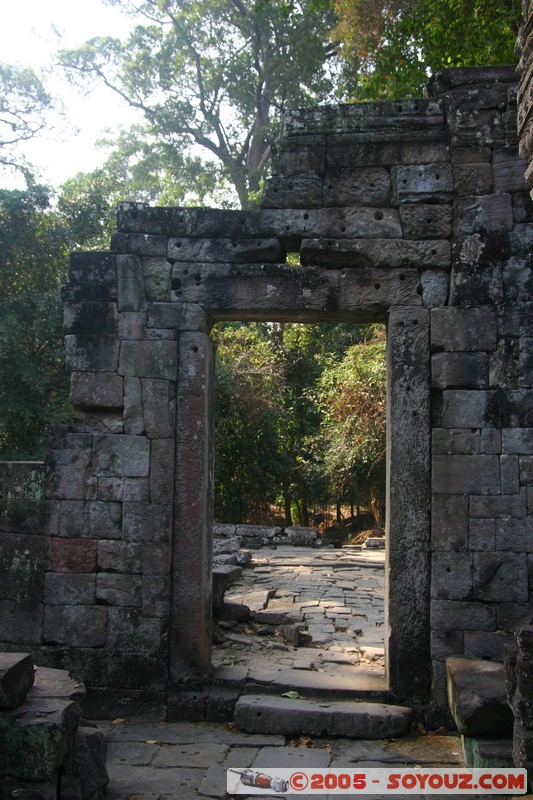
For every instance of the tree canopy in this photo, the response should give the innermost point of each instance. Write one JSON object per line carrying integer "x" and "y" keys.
{"x": 215, "y": 75}
{"x": 390, "y": 47}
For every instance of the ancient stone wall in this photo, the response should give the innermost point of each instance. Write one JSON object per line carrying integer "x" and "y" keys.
{"x": 413, "y": 213}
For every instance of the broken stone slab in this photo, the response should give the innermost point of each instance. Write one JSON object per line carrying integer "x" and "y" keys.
{"x": 477, "y": 697}
{"x": 41, "y": 737}
{"x": 301, "y": 536}
{"x": 270, "y": 714}
{"x": 16, "y": 679}
{"x": 261, "y": 532}
{"x": 226, "y": 545}
{"x": 88, "y": 767}
{"x": 375, "y": 542}
{"x": 243, "y": 557}
{"x": 56, "y": 683}
{"x": 223, "y": 530}
{"x": 224, "y": 559}
{"x": 233, "y": 611}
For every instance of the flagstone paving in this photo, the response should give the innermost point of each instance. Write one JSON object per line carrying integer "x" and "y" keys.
{"x": 336, "y": 596}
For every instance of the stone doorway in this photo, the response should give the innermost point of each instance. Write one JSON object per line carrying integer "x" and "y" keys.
{"x": 407, "y": 579}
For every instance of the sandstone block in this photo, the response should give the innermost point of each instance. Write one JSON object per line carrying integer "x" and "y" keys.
{"x": 74, "y": 555}
{"x": 476, "y": 284}
{"x": 455, "y": 441}
{"x": 123, "y": 489}
{"x": 119, "y": 590}
{"x": 146, "y": 523}
{"x": 93, "y": 519}
{"x": 131, "y": 325}
{"x": 261, "y": 713}
{"x": 290, "y": 158}
{"x": 91, "y": 352}
{"x": 376, "y": 253}
{"x": 75, "y": 626}
{"x": 88, "y": 766}
{"x": 237, "y": 251}
{"x": 501, "y": 576}
{"x": 162, "y": 471}
{"x": 293, "y": 191}
{"x": 451, "y": 576}
{"x": 477, "y": 697}
{"x": 129, "y": 631}
{"x": 514, "y": 535}
{"x": 435, "y": 287}
{"x": 517, "y": 440}
{"x": 156, "y": 596}
{"x": 96, "y": 389}
{"x": 133, "y": 408}
{"x": 180, "y": 317}
{"x": 333, "y": 223}
{"x": 492, "y": 212}
{"x": 89, "y": 268}
{"x": 482, "y": 534}
{"x": 464, "y": 329}
{"x": 139, "y": 244}
{"x": 449, "y": 522}
{"x": 462, "y": 615}
{"x": 157, "y": 274}
{"x": 90, "y": 317}
{"x": 63, "y": 589}
{"x": 505, "y": 505}
{"x": 134, "y": 557}
{"x": 21, "y": 622}
{"x": 121, "y": 456}
{"x": 473, "y": 178}
{"x": 159, "y": 407}
{"x": 458, "y": 474}
{"x": 421, "y": 182}
{"x": 148, "y": 359}
{"x": 131, "y": 296}
{"x": 23, "y": 561}
{"x": 358, "y": 187}
{"x": 465, "y": 370}
{"x": 422, "y": 221}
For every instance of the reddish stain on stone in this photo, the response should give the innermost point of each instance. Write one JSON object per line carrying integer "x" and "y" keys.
{"x": 74, "y": 555}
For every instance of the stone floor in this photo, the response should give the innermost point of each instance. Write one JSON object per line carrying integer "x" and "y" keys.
{"x": 335, "y": 595}
{"x": 181, "y": 761}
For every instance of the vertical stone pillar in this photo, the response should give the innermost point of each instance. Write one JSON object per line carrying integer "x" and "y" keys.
{"x": 408, "y": 510}
{"x": 190, "y": 649}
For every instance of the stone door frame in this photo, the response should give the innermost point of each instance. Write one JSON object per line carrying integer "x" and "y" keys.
{"x": 407, "y": 634}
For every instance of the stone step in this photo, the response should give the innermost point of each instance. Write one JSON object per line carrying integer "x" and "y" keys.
{"x": 283, "y": 715}
{"x": 487, "y": 753}
{"x": 16, "y": 679}
{"x": 477, "y": 697}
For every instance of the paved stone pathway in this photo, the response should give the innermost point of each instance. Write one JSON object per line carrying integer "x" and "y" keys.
{"x": 336, "y": 596}
{"x": 180, "y": 761}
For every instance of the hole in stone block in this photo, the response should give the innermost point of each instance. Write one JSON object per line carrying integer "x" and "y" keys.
{"x": 378, "y": 215}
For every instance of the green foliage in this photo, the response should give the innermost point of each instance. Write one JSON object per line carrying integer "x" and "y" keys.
{"x": 392, "y": 46}
{"x": 34, "y": 244}
{"x": 216, "y": 75}
{"x": 24, "y": 105}
{"x": 299, "y": 418}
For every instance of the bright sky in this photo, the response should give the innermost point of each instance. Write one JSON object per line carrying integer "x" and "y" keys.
{"x": 31, "y": 33}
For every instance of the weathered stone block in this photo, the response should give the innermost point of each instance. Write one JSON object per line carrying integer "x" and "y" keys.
{"x": 435, "y": 287}
{"x": 451, "y": 576}
{"x": 455, "y": 441}
{"x": 21, "y": 622}
{"x": 89, "y": 763}
{"x": 306, "y": 155}
{"x": 501, "y": 577}
{"x": 143, "y": 523}
{"x": 121, "y": 456}
{"x": 509, "y": 172}
{"x": 423, "y": 221}
{"x": 104, "y": 420}
{"x": 76, "y": 626}
{"x": 492, "y": 212}
{"x": 465, "y": 370}
{"x": 90, "y": 317}
{"x": 505, "y": 505}
{"x": 377, "y": 290}
{"x": 195, "y": 363}
{"x": 332, "y": 223}
{"x": 93, "y": 519}
{"x": 490, "y": 441}
{"x": 473, "y": 178}
{"x": 517, "y": 440}
{"x": 159, "y": 407}
{"x": 131, "y": 295}
{"x": 465, "y": 408}
{"x": 376, "y": 253}
{"x": 471, "y": 474}
{"x": 96, "y": 389}
{"x": 89, "y": 268}
{"x": 69, "y": 483}
{"x": 119, "y": 590}
{"x": 261, "y": 713}
{"x": 91, "y": 352}
{"x": 482, "y": 535}
{"x": 134, "y": 557}
{"x": 464, "y": 329}
{"x": 237, "y": 251}
{"x": 156, "y": 596}
{"x": 42, "y": 736}
{"x": 422, "y": 183}
{"x": 157, "y": 274}
{"x": 293, "y": 191}
{"x": 132, "y": 325}
{"x": 476, "y": 284}
{"x": 446, "y": 643}
{"x": 176, "y": 317}
{"x": 477, "y": 697}
{"x": 63, "y": 589}
{"x": 129, "y": 631}
{"x": 23, "y": 561}
{"x": 74, "y": 555}
{"x": 487, "y": 645}
{"x": 514, "y": 535}
{"x": 16, "y": 679}
{"x": 359, "y": 187}
{"x": 449, "y": 522}
{"x": 462, "y": 615}
{"x": 148, "y": 359}
{"x": 123, "y": 489}
{"x": 162, "y": 471}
